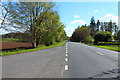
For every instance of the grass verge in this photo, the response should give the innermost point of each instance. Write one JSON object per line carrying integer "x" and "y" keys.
{"x": 110, "y": 47}
{"x": 28, "y": 50}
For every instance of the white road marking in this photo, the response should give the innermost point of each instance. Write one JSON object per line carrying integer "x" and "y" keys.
{"x": 99, "y": 53}
{"x": 66, "y": 51}
{"x": 66, "y": 44}
{"x": 66, "y": 55}
{"x": 66, "y": 59}
{"x": 66, "y": 67}
{"x": 66, "y": 48}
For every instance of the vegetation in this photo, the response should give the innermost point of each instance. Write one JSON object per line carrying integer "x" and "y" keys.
{"x": 110, "y": 47}
{"x": 28, "y": 50}
{"x": 39, "y": 23}
{"x": 103, "y": 36}
{"x": 35, "y": 22}
{"x": 11, "y": 40}
{"x": 81, "y": 34}
{"x": 89, "y": 39}
{"x": 23, "y": 37}
{"x": 98, "y": 34}
{"x": 109, "y": 43}
{"x": 102, "y": 26}
{"x": 92, "y": 27}
{"x": 118, "y": 36}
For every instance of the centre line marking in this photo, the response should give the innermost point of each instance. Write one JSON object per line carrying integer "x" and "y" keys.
{"x": 99, "y": 53}
{"x": 66, "y": 59}
{"x": 66, "y": 55}
{"x": 66, "y": 51}
{"x": 66, "y": 48}
{"x": 66, "y": 67}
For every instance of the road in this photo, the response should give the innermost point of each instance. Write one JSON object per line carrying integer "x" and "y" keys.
{"x": 74, "y": 60}
{"x": 86, "y": 61}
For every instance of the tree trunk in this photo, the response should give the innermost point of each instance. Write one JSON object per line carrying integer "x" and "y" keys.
{"x": 34, "y": 41}
{"x": 34, "y": 44}
{"x": 37, "y": 43}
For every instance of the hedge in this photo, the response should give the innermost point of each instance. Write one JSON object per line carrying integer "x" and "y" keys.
{"x": 109, "y": 43}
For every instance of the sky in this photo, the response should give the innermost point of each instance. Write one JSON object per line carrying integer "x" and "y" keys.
{"x": 74, "y": 14}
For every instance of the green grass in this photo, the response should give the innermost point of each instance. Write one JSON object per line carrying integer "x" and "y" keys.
{"x": 110, "y": 47}
{"x": 28, "y": 50}
{"x": 10, "y": 40}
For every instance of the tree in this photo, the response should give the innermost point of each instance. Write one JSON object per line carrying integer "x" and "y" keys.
{"x": 115, "y": 27}
{"x": 23, "y": 15}
{"x": 92, "y": 27}
{"x": 75, "y": 37}
{"x": 61, "y": 34}
{"x": 102, "y": 26}
{"x": 98, "y": 24}
{"x": 110, "y": 26}
{"x": 4, "y": 12}
{"x": 49, "y": 29}
{"x": 80, "y": 34}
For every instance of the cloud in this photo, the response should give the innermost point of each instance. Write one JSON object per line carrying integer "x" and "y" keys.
{"x": 75, "y": 16}
{"x": 2, "y": 31}
{"x": 1, "y": 19}
{"x": 69, "y": 30}
{"x": 109, "y": 17}
{"x": 96, "y": 10}
{"x": 80, "y": 22}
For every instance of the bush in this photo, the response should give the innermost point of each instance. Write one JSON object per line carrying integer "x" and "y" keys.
{"x": 118, "y": 35}
{"x": 88, "y": 39}
{"x": 103, "y": 36}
